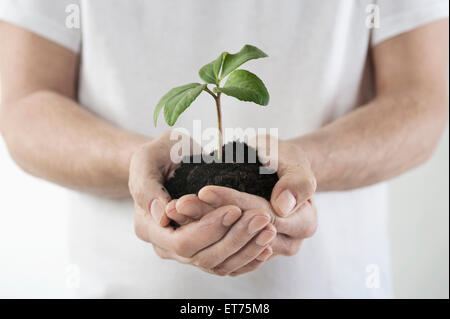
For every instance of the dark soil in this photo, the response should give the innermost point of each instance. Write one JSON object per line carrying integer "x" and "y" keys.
{"x": 233, "y": 171}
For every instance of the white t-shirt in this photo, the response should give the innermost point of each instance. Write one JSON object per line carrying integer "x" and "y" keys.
{"x": 132, "y": 52}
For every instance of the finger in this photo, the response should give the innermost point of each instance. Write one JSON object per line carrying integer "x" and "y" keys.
{"x": 285, "y": 245}
{"x": 248, "y": 226}
{"x": 148, "y": 192}
{"x": 192, "y": 207}
{"x": 265, "y": 255}
{"x": 149, "y": 167}
{"x": 301, "y": 224}
{"x": 251, "y": 266}
{"x": 193, "y": 237}
{"x": 249, "y": 253}
{"x": 217, "y": 196}
{"x": 296, "y": 182}
{"x": 148, "y": 230}
{"x": 254, "y": 264}
{"x": 173, "y": 214}
{"x": 157, "y": 209}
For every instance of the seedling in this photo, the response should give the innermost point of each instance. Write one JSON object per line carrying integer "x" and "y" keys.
{"x": 241, "y": 84}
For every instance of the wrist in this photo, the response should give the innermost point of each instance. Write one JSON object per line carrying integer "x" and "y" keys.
{"x": 118, "y": 163}
{"x": 314, "y": 147}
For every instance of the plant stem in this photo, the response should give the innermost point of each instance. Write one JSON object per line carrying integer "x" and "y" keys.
{"x": 216, "y": 98}
{"x": 210, "y": 92}
{"x": 219, "y": 126}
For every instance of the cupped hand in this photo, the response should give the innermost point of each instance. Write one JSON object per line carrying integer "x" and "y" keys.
{"x": 225, "y": 235}
{"x": 290, "y": 231}
{"x": 291, "y": 206}
{"x": 150, "y": 166}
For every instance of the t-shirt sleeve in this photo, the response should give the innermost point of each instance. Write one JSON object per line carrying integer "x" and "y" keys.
{"x": 399, "y": 16}
{"x": 50, "y": 19}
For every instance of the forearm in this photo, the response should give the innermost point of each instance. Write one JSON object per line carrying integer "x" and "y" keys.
{"x": 52, "y": 137}
{"x": 391, "y": 134}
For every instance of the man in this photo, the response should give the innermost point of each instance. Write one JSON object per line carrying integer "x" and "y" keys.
{"x": 355, "y": 104}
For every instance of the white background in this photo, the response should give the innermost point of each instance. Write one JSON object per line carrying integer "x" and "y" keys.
{"x": 34, "y": 261}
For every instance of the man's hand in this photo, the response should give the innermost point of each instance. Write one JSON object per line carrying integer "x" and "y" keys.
{"x": 153, "y": 163}
{"x": 225, "y": 236}
{"x": 291, "y": 208}
{"x": 291, "y": 230}
{"x": 149, "y": 167}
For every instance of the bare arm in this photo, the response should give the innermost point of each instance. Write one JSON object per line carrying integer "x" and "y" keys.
{"x": 400, "y": 128}
{"x": 47, "y": 132}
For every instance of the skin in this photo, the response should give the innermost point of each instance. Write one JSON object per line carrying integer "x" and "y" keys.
{"x": 51, "y": 136}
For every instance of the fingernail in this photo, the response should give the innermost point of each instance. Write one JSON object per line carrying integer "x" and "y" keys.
{"x": 210, "y": 197}
{"x": 157, "y": 210}
{"x": 286, "y": 202}
{"x": 265, "y": 237}
{"x": 257, "y": 223}
{"x": 171, "y": 206}
{"x": 231, "y": 217}
{"x": 265, "y": 254}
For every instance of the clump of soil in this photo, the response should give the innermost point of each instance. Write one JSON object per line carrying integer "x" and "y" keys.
{"x": 241, "y": 171}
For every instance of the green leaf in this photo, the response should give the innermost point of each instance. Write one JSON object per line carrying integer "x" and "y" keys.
{"x": 210, "y": 72}
{"x": 246, "y": 86}
{"x": 178, "y": 103}
{"x": 173, "y": 92}
{"x": 233, "y": 61}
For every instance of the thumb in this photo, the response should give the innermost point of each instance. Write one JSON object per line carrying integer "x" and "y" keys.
{"x": 152, "y": 197}
{"x": 296, "y": 182}
{"x": 294, "y": 188}
{"x": 157, "y": 207}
